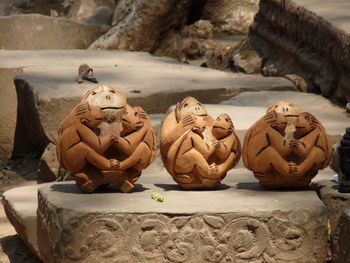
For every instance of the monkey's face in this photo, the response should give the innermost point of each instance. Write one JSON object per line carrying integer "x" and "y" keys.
{"x": 222, "y": 126}
{"x": 199, "y": 125}
{"x": 190, "y": 105}
{"x": 111, "y": 101}
{"x": 285, "y": 108}
{"x": 130, "y": 120}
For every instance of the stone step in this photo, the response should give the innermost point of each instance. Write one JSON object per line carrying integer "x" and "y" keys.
{"x": 238, "y": 222}
{"x": 47, "y": 89}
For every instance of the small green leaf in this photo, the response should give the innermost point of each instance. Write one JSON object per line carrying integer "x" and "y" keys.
{"x": 157, "y": 197}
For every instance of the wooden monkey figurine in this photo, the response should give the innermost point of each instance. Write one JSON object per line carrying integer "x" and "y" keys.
{"x": 196, "y": 150}
{"x": 78, "y": 145}
{"x": 105, "y": 141}
{"x": 286, "y": 147}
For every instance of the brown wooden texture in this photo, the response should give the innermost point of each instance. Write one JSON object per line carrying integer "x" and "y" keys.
{"x": 286, "y": 147}
{"x": 196, "y": 150}
{"x": 103, "y": 140}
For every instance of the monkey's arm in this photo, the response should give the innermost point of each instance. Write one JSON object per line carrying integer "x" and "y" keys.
{"x": 200, "y": 145}
{"x": 225, "y": 146}
{"x": 303, "y": 146}
{"x": 91, "y": 139}
{"x": 174, "y": 130}
{"x": 278, "y": 142}
{"x": 129, "y": 143}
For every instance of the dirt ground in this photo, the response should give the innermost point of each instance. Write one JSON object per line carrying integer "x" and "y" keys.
{"x": 15, "y": 173}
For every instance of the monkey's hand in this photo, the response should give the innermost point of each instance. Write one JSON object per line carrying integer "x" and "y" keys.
{"x": 142, "y": 113}
{"x": 213, "y": 170}
{"x": 188, "y": 120}
{"x": 292, "y": 168}
{"x": 82, "y": 108}
{"x": 273, "y": 118}
{"x": 114, "y": 164}
{"x": 298, "y": 147}
{"x": 217, "y": 144}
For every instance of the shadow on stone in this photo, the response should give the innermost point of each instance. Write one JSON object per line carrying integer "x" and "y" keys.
{"x": 176, "y": 187}
{"x": 72, "y": 189}
{"x": 17, "y": 251}
{"x": 255, "y": 186}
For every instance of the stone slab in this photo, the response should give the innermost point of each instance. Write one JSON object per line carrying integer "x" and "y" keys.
{"x": 8, "y": 111}
{"x": 335, "y": 12}
{"x": 338, "y": 205}
{"x": 239, "y": 222}
{"x": 152, "y": 82}
{"x": 344, "y": 246}
{"x": 20, "y": 205}
{"x": 34, "y": 31}
{"x": 334, "y": 118}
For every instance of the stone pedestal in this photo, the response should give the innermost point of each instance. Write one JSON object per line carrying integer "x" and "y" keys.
{"x": 238, "y": 222}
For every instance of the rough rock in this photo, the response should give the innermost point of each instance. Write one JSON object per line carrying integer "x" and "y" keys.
{"x": 336, "y": 203}
{"x": 49, "y": 166}
{"x": 158, "y": 82}
{"x": 8, "y": 113}
{"x": 299, "y": 82}
{"x": 259, "y": 225}
{"x": 20, "y": 206}
{"x": 323, "y": 59}
{"x": 200, "y": 29}
{"x": 81, "y": 10}
{"x": 140, "y": 24}
{"x": 245, "y": 58}
{"x": 171, "y": 46}
{"x": 42, "y": 32}
{"x": 343, "y": 242}
{"x": 101, "y": 16}
{"x": 248, "y": 64}
{"x": 334, "y": 118}
{"x": 11, "y": 7}
{"x": 231, "y": 16}
{"x": 348, "y": 107}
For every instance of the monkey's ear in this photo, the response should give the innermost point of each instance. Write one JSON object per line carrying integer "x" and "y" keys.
{"x": 86, "y": 94}
{"x": 177, "y": 111}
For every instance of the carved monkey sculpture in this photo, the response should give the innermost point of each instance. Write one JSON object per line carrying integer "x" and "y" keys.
{"x": 191, "y": 153}
{"x": 286, "y": 147}
{"x": 78, "y": 145}
{"x": 105, "y": 141}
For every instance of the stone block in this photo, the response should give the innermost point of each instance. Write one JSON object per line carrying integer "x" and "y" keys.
{"x": 36, "y": 31}
{"x": 20, "y": 205}
{"x": 238, "y": 222}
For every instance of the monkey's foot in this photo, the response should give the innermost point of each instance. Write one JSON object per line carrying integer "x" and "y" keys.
{"x": 126, "y": 187}
{"x": 84, "y": 183}
{"x": 183, "y": 179}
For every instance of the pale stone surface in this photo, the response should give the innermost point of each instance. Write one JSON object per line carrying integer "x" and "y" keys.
{"x": 337, "y": 204}
{"x": 20, "y": 206}
{"x": 8, "y": 112}
{"x": 344, "y": 246}
{"x": 334, "y": 118}
{"x": 288, "y": 216}
{"x": 146, "y": 80}
{"x": 42, "y": 32}
{"x": 292, "y": 217}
